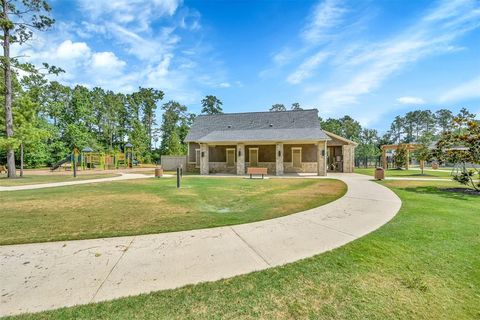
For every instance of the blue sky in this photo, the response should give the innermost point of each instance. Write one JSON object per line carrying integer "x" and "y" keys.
{"x": 369, "y": 59}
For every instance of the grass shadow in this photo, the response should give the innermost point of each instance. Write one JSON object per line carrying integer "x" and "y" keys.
{"x": 444, "y": 192}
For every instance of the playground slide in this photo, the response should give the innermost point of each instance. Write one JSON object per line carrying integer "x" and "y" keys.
{"x": 59, "y": 163}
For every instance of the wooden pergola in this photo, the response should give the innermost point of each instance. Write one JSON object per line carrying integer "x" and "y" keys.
{"x": 408, "y": 146}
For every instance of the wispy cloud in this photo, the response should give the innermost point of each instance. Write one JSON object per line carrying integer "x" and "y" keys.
{"x": 462, "y": 92}
{"x": 306, "y": 69}
{"x": 138, "y": 14}
{"x": 410, "y": 100}
{"x": 326, "y": 16}
{"x": 376, "y": 62}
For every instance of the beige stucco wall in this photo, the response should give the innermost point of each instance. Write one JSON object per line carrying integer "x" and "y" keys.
{"x": 266, "y": 153}
{"x": 219, "y": 153}
{"x": 309, "y": 152}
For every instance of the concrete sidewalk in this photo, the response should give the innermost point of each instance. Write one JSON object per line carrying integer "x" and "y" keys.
{"x": 42, "y": 276}
{"x": 123, "y": 176}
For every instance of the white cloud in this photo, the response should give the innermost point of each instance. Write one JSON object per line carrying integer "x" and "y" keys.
{"x": 464, "y": 91}
{"x": 410, "y": 100}
{"x": 306, "y": 69}
{"x": 139, "y": 14}
{"x": 326, "y": 15}
{"x": 69, "y": 50}
{"x": 224, "y": 85}
{"x": 107, "y": 60}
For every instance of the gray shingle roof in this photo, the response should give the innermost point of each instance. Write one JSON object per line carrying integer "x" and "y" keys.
{"x": 257, "y": 126}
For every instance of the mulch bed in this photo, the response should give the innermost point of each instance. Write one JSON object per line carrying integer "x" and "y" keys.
{"x": 463, "y": 190}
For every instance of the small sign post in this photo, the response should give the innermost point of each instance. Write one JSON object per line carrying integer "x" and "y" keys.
{"x": 178, "y": 177}
{"x": 74, "y": 161}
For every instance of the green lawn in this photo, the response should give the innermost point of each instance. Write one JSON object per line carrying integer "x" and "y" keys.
{"x": 39, "y": 179}
{"x": 424, "y": 264}
{"x": 154, "y": 205}
{"x": 412, "y": 173}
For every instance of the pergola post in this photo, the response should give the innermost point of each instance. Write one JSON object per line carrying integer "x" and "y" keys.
{"x": 384, "y": 159}
{"x": 407, "y": 160}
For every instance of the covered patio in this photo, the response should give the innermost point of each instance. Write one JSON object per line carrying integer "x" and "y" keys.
{"x": 278, "y": 158}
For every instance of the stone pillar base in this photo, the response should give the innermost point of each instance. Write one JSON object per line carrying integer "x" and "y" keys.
{"x": 279, "y": 159}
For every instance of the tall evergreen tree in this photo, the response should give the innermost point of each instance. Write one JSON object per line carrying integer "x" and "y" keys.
{"x": 211, "y": 105}
{"x": 173, "y": 114}
{"x": 18, "y": 20}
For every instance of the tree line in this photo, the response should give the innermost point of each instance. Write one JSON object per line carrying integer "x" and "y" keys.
{"x": 419, "y": 126}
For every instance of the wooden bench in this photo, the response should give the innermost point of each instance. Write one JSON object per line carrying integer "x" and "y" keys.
{"x": 3, "y": 169}
{"x": 256, "y": 170}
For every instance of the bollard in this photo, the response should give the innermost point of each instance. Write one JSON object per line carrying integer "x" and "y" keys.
{"x": 74, "y": 164}
{"x": 178, "y": 177}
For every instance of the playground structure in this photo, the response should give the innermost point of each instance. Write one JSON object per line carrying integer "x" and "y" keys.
{"x": 87, "y": 159}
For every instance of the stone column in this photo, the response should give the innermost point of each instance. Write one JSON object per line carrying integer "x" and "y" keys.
{"x": 279, "y": 159}
{"x": 204, "y": 162}
{"x": 240, "y": 159}
{"x": 347, "y": 158}
{"x": 322, "y": 158}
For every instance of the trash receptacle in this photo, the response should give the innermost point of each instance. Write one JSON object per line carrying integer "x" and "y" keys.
{"x": 435, "y": 165}
{"x": 379, "y": 174}
{"x": 158, "y": 172}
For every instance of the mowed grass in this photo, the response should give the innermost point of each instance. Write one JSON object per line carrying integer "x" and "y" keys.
{"x": 424, "y": 264}
{"x": 40, "y": 179}
{"x": 154, "y": 205}
{"x": 412, "y": 173}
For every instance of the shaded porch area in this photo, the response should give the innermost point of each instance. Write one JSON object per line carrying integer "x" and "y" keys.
{"x": 278, "y": 158}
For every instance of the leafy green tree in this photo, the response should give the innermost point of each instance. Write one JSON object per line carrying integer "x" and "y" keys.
{"x": 443, "y": 119}
{"x": 149, "y": 98}
{"x": 332, "y": 125}
{"x": 57, "y": 98}
{"x": 278, "y": 107}
{"x": 29, "y": 133}
{"x": 137, "y": 138}
{"x": 461, "y": 146}
{"x": 396, "y": 129}
{"x": 173, "y": 115}
{"x": 346, "y": 127}
{"x": 351, "y": 128}
{"x": 400, "y": 158}
{"x": 211, "y": 105}
{"x": 18, "y": 20}
{"x": 423, "y": 152}
{"x": 296, "y": 106}
{"x": 368, "y": 146}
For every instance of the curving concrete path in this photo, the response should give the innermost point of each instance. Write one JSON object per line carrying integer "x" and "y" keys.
{"x": 41, "y": 276}
{"x": 122, "y": 176}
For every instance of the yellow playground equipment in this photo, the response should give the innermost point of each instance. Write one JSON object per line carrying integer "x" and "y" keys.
{"x": 88, "y": 159}
{"x": 106, "y": 160}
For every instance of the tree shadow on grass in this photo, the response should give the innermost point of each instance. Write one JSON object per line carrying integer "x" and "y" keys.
{"x": 451, "y": 193}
